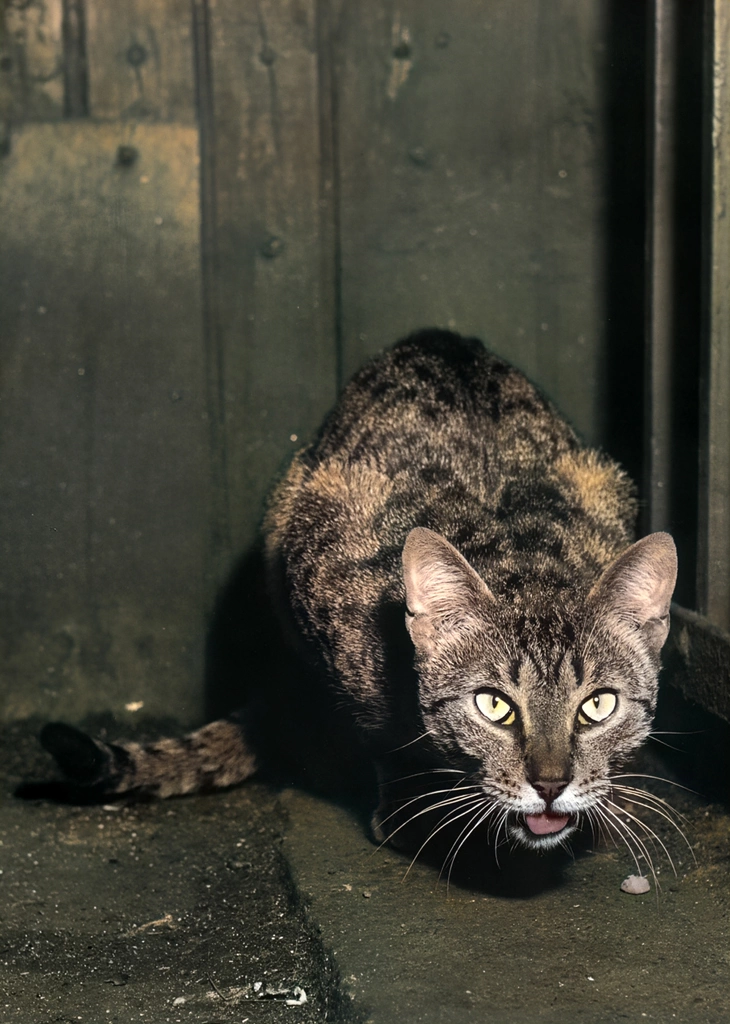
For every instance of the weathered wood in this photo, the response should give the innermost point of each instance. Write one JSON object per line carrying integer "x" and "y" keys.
{"x": 472, "y": 188}
{"x": 274, "y": 257}
{"x": 697, "y": 661}
{"x": 714, "y": 514}
{"x": 33, "y": 59}
{"x": 103, "y": 441}
{"x": 141, "y": 60}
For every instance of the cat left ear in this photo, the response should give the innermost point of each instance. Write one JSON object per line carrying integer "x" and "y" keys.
{"x": 443, "y": 593}
{"x": 638, "y": 586}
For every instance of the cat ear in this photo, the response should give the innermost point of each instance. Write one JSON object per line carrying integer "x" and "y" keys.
{"x": 638, "y": 586}
{"x": 443, "y": 593}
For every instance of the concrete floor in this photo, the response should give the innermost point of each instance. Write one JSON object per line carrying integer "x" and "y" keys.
{"x": 225, "y": 908}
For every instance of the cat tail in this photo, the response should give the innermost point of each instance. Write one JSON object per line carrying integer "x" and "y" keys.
{"x": 213, "y": 757}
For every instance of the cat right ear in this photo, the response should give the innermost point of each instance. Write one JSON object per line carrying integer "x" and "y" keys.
{"x": 444, "y": 595}
{"x": 638, "y": 587}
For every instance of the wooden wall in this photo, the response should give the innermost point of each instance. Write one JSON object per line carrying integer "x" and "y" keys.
{"x": 212, "y": 211}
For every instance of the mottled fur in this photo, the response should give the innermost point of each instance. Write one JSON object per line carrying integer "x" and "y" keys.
{"x": 445, "y": 490}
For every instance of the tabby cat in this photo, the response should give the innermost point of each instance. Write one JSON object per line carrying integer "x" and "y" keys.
{"x": 445, "y": 500}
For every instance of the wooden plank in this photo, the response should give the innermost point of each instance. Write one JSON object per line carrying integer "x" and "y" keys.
{"x": 141, "y": 60}
{"x": 714, "y": 535}
{"x": 103, "y": 438}
{"x": 472, "y": 188}
{"x": 271, "y": 207}
{"x": 660, "y": 308}
{"x": 32, "y": 60}
{"x": 697, "y": 661}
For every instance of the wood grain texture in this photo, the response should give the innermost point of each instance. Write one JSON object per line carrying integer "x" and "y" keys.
{"x": 713, "y": 585}
{"x": 103, "y": 469}
{"x": 140, "y": 60}
{"x": 33, "y": 59}
{"x": 274, "y": 254}
{"x": 472, "y": 191}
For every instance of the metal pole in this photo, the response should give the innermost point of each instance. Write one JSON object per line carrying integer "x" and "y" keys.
{"x": 661, "y": 243}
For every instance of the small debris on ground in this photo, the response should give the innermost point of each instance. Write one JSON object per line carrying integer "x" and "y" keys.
{"x": 635, "y": 885}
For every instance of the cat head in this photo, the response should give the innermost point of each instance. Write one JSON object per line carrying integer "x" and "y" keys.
{"x": 538, "y": 706}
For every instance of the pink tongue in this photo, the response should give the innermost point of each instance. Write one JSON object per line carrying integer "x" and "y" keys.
{"x": 543, "y": 824}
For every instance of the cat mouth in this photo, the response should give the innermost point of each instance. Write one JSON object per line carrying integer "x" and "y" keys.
{"x": 543, "y": 831}
{"x": 546, "y": 823}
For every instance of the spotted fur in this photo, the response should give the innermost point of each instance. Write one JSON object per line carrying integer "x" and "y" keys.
{"x": 447, "y": 535}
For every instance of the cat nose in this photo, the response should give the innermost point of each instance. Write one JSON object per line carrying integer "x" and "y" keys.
{"x": 549, "y": 790}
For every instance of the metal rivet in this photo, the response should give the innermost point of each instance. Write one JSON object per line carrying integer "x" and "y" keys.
{"x": 419, "y": 156}
{"x": 272, "y": 247}
{"x": 267, "y": 56}
{"x": 127, "y": 155}
{"x": 136, "y": 55}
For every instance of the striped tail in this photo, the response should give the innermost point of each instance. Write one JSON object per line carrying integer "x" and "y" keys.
{"x": 210, "y": 758}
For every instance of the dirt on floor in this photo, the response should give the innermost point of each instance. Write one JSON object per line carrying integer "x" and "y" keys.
{"x": 266, "y": 905}
{"x": 176, "y": 911}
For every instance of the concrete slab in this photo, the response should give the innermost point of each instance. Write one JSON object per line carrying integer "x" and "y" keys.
{"x": 195, "y": 909}
{"x": 409, "y": 949}
{"x": 160, "y": 912}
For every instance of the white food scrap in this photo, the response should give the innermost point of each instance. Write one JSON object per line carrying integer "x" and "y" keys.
{"x": 635, "y": 885}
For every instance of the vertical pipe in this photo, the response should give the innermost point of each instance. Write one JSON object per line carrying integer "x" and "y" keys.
{"x": 75, "y": 64}
{"x": 713, "y": 582}
{"x": 660, "y": 312}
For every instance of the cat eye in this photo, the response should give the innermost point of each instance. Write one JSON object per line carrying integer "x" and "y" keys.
{"x": 495, "y": 708}
{"x": 597, "y": 708}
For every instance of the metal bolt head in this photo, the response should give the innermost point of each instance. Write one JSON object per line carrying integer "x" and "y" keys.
{"x": 136, "y": 55}
{"x": 127, "y": 155}
{"x": 272, "y": 247}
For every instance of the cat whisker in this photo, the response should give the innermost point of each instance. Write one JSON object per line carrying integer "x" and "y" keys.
{"x": 676, "y": 732}
{"x": 592, "y": 822}
{"x": 656, "y": 802}
{"x": 653, "y": 803}
{"x": 655, "y": 810}
{"x": 428, "y": 732}
{"x": 620, "y": 829}
{"x": 418, "y": 775}
{"x": 656, "y": 778}
{"x": 653, "y": 737}
{"x": 648, "y": 831}
{"x": 500, "y": 824}
{"x": 426, "y": 796}
{"x": 604, "y": 831}
{"x": 626, "y": 831}
{"x": 447, "y": 820}
{"x": 459, "y": 842}
{"x": 462, "y": 798}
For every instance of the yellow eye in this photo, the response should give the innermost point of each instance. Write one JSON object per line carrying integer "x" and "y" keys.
{"x": 597, "y": 708}
{"x": 495, "y": 708}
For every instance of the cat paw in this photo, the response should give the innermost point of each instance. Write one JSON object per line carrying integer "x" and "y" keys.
{"x": 80, "y": 758}
{"x": 84, "y": 762}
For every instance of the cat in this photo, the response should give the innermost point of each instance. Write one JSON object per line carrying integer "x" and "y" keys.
{"x": 461, "y": 572}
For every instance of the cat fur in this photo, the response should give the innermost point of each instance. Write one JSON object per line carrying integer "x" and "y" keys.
{"x": 446, "y": 535}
